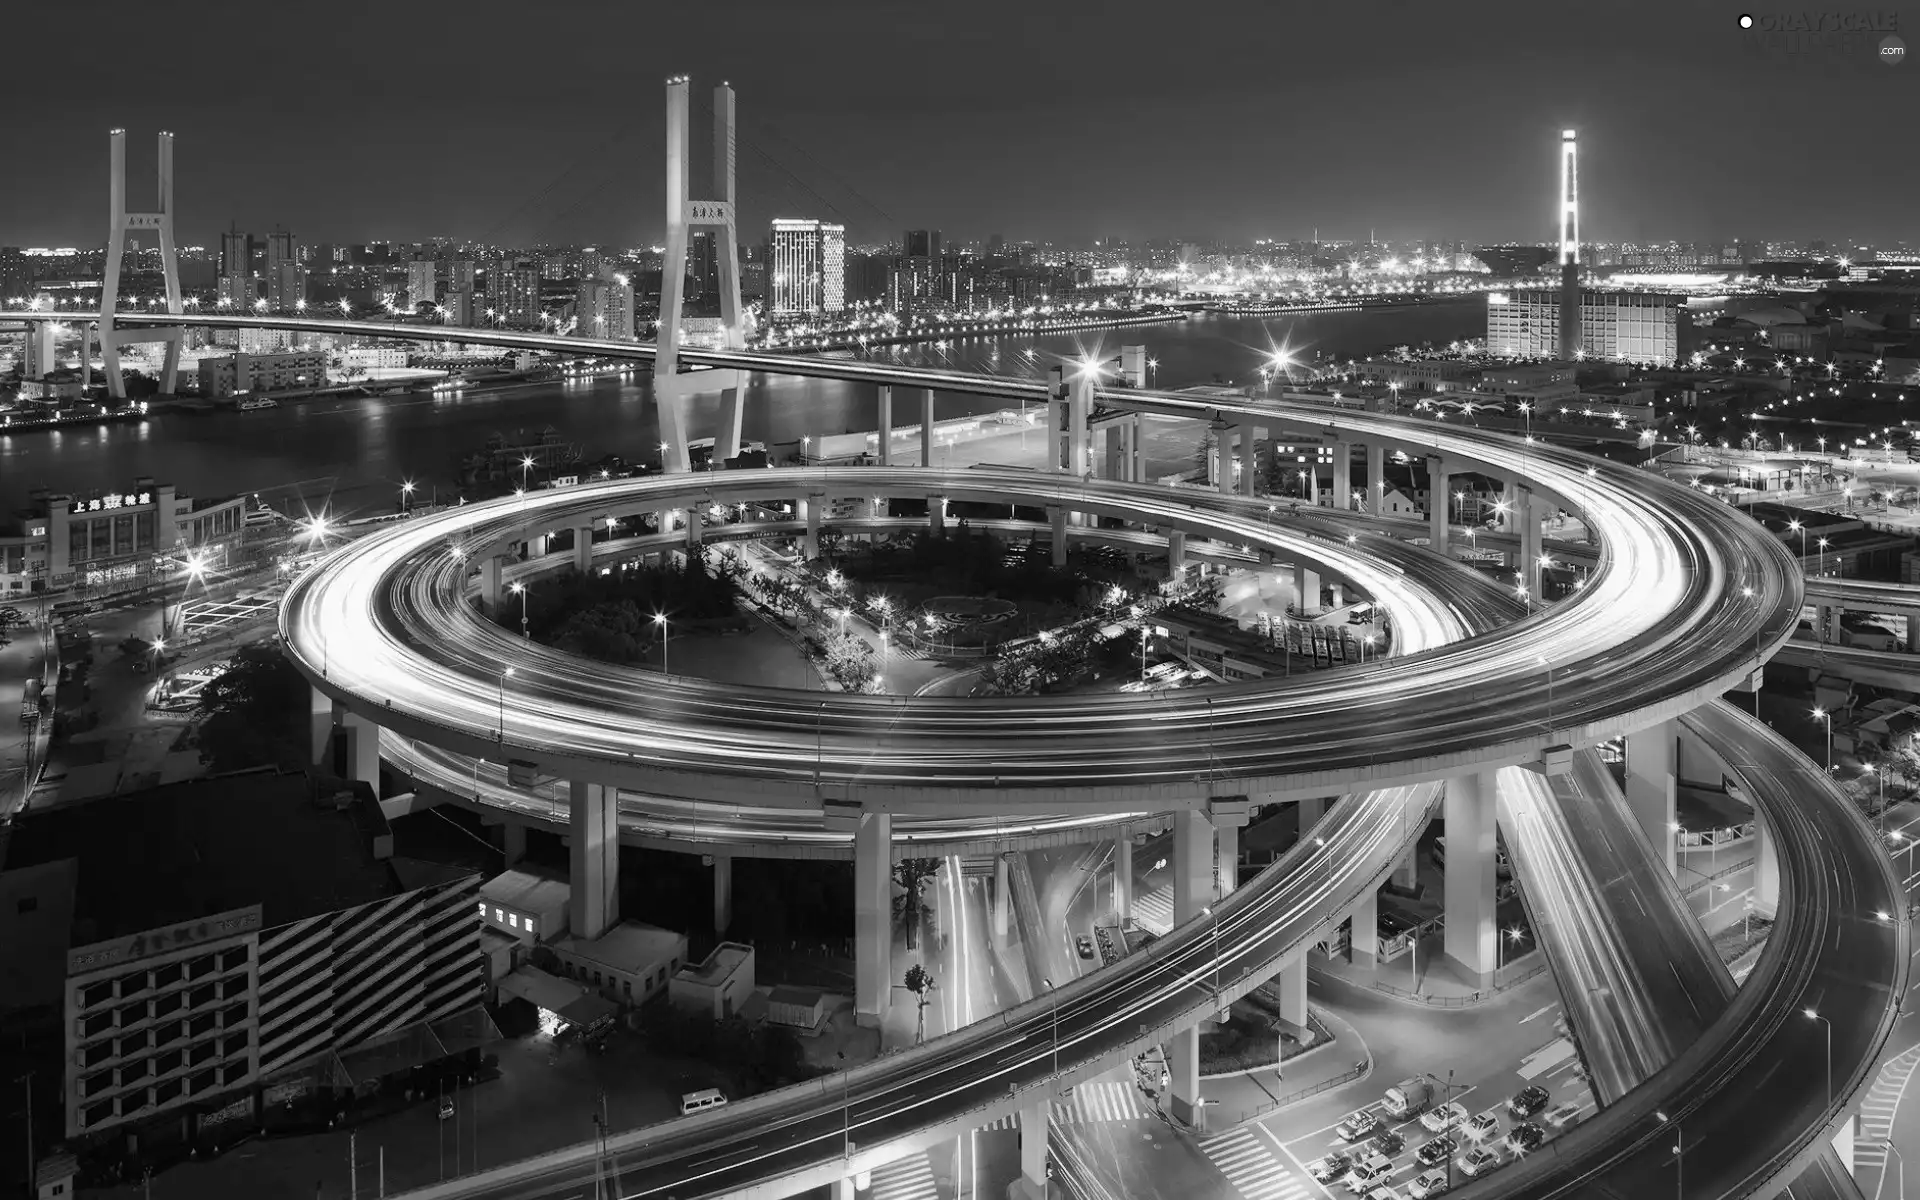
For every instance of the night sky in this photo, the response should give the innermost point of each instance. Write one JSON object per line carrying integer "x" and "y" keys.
{"x": 516, "y": 121}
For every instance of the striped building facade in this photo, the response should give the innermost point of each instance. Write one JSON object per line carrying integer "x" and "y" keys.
{"x": 344, "y": 979}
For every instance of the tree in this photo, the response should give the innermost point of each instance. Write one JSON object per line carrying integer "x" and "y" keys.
{"x": 849, "y": 662}
{"x": 250, "y": 716}
{"x": 910, "y": 907}
{"x": 919, "y": 982}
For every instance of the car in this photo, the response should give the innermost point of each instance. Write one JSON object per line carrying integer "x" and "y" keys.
{"x": 1388, "y": 1142}
{"x": 1330, "y": 1168}
{"x": 1451, "y": 1115}
{"x": 1084, "y": 945}
{"x": 1562, "y": 1116}
{"x": 1480, "y": 1128}
{"x": 1478, "y": 1161}
{"x": 1432, "y": 1183}
{"x": 1528, "y": 1101}
{"x": 1437, "y": 1151}
{"x": 446, "y": 1108}
{"x": 1386, "y": 1191}
{"x": 1360, "y": 1126}
{"x": 1372, "y": 1171}
{"x": 1525, "y": 1136}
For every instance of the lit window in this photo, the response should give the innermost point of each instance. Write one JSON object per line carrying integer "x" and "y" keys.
{"x": 483, "y": 908}
{"x": 500, "y": 916}
{"x": 529, "y": 924}
{"x": 513, "y": 919}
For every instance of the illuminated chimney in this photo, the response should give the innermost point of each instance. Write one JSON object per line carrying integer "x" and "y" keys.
{"x": 1569, "y": 247}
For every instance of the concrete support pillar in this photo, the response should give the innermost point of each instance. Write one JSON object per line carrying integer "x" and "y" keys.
{"x": 537, "y": 546}
{"x": 1136, "y": 450}
{"x": 1406, "y": 872}
{"x": 1192, "y": 864}
{"x": 1291, "y": 983}
{"x": 363, "y": 751}
{"x": 1913, "y": 634}
{"x": 583, "y": 548}
{"x": 810, "y": 509}
{"x": 1310, "y": 813}
{"x": 845, "y": 1189}
{"x": 1342, "y": 475}
{"x": 1766, "y": 870}
{"x": 873, "y": 917}
{"x": 593, "y": 866}
{"x": 1528, "y": 515}
{"x": 722, "y": 894}
{"x": 1364, "y": 930}
{"x": 1249, "y": 436}
{"x": 1034, "y": 1120}
{"x": 1176, "y": 553}
{"x": 1337, "y": 595}
{"x": 320, "y": 724}
{"x": 1057, "y": 524}
{"x": 1079, "y": 408}
{"x": 1123, "y": 878}
{"x": 1183, "y": 1063}
{"x": 1469, "y": 876}
{"x": 937, "y": 516}
{"x": 490, "y": 582}
{"x": 1651, "y": 787}
{"x": 1056, "y": 419}
{"x": 1306, "y": 590}
{"x": 884, "y": 403}
{"x": 1376, "y": 476}
{"x": 1510, "y": 496}
{"x": 1439, "y": 496}
{"x": 1113, "y": 449}
{"x": 513, "y": 842}
{"x": 926, "y": 429}
{"x": 1223, "y": 447}
{"x": 1226, "y": 853}
{"x": 1002, "y": 896}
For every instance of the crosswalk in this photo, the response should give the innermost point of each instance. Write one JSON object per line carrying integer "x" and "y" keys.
{"x": 1100, "y": 1100}
{"x": 909, "y": 1178}
{"x": 1154, "y": 910}
{"x": 1249, "y": 1164}
{"x": 1877, "y": 1107}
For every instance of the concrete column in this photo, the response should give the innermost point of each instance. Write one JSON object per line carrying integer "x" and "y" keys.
{"x": 810, "y": 509}
{"x": 320, "y": 724}
{"x": 1079, "y": 408}
{"x": 1034, "y": 1119}
{"x": 593, "y": 848}
{"x": 1439, "y": 496}
{"x": 1766, "y": 870}
{"x": 1136, "y": 451}
{"x": 1291, "y": 983}
{"x": 1651, "y": 786}
{"x": 1176, "y": 553}
{"x": 1183, "y": 1063}
{"x": 1192, "y": 864}
{"x": 583, "y": 548}
{"x": 537, "y": 546}
{"x": 363, "y": 751}
{"x": 1123, "y": 878}
{"x": 1528, "y": 514}
{"x": 1056, "y": 415}
{"x": 1376, "y": 476}
{"x": 1223, "y": 445}
{"x": 490, "y": 582}
{"x": 1364, "y": 926}
{"x": 1113, "y": 449}
{"x": 844, "y": 1189}
{"x": 884, "y": 403}
{"x": 1913, "y": 634}
{"x": 937, "y": 516}
{"x": 1002, "y": 896}
{"x": 1469, "y": 876}
{"x": 1306, "y": 586}
{"x": 873, "y": 917}
{"x": 926, "y": 429}
{"x": 1249, "y": 436}
{"x": 1822, "y": 621}
{"x": 722, "y": 894}
{"x": 1226, "y": 855}
{"x": 1310, "y": 813}
{"x": 513, "y": 841}
{"x": 1337, "y": 594}
{"x": 1510, "y": 496}
{"x": 1406, "y": 872}
{"x": 1342, "y": 475}
{"x": 1057, "y": 523}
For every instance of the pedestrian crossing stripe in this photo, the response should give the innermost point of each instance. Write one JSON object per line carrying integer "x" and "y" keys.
{"x": 1154, "y": 910}
{"x": 1101, "y": 1100}
{"x": 909, "y": 1178}
{"x": 1250, "y": 1166}
{"x": 1880, "y": 1103}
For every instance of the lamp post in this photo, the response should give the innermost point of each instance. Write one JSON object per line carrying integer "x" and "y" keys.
{"x": 660, "y": 623}
{"x": 1821, "y": 714}
{"x": 520, "y": 589}
{"x": 1055, "y": 998}
{"x": 1822, "y": 543}
{"x": 1813, "y": 1015}
{"x": 504, "y": 675}
{"x": 846, "y": 1109}
{"x": 1894, "y": 1150}
{"x": 1513, "y": 937}
{"x": 1207, "y": 911}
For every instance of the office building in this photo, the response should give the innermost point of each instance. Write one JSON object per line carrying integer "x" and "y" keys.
{"x": 61, "y": 541}
{"x": 16, "y": 275}
{"x": 236, "y": 254}
{"x": 238, "y": 291}
{"x": 420, "y": 274}
{"x": 806, "y": 269}
{"x": 513, "y": 292}
{"x": 1641, "y": 327}
{"x": 254, "y": 374}
{"x": 604, "y": 308}
{"x": 299, "y": 958}
{"x": 459, "y": 306}
{"x": 460, "y": 273}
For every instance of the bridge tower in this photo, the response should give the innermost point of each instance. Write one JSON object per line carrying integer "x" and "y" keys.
{"x": 120, "y": 223}
{"x": 1569, "y": 247}
{"x": 671, "y": 390}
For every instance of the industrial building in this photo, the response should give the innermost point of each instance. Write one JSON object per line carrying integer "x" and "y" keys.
{"x": 1640, "y": 327}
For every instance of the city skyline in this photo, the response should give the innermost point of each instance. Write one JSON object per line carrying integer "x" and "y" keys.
{"x": 968, "y": 144}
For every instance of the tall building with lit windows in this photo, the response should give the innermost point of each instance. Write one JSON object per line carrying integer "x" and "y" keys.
{"x": 1642, "y": 327}
{"x": 806, "y": 271}
{"x": 604, "y": 308}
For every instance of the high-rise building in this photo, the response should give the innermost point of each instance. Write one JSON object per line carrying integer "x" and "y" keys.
{"x": 513, "y": 292}
{"x": 236, "y": 254}
{"x": 420, "y": 274}
{"x": 16, "y": 275}
{"x": 1643, "y": 327}
{"x": 604, "y": 308}
{"x": 703, "y": 273}
{"x": 286, "y": 277}
{"x": 460, "y": 272}
{"x": 238, "y": 291}
{"x": 459, "y": 306}
{"x": 807, "y": 271}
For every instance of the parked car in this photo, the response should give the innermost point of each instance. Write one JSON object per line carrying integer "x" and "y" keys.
{"x": 1436, "y": 1152}
{"x": 1369, "y": 1173}
{"x": 1330, "y": 1168}
{"x": 1528, "y": 1101}
{"x": 1386, "y": 1191}
{"x": 1480, "y": 1128}
{"x": 1084, "y": 945}
{"x": 1430, "y": 1184}
{"x": 1450, "y": 1115}
{"x": 446, "y": 1108}
{"x": 1478, "y": 1161}
{"x": 1563, "y": 1116}
{"x": 1525, "y": 1137}
{"x": 1359, "y": 1126}
{"x": 1388, "y": 1142}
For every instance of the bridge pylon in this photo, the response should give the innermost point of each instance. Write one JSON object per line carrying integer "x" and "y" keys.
{"x": 120, "y": 223}
{"x": 671, "y": 390}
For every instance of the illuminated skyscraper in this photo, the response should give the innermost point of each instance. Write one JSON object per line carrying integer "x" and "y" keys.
{"x": 286, "y": 278}
{"x": 807, "y": 274}
{"x": 420, "y": 281}
{"x": 604, "y": 308}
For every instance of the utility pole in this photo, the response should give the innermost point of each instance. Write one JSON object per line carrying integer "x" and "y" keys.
{"x": 353, "y": 1165}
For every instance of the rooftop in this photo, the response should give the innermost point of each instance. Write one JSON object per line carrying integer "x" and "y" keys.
{"x": 527, "y": 889}
{"x": 189, "y": 850}
{"x": 724, "y": 961}
{"x": 629, "y": 948}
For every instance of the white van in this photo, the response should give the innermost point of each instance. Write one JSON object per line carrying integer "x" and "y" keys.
{"x": 1370, "y": 1173}
{"x": 701, "y": 1101}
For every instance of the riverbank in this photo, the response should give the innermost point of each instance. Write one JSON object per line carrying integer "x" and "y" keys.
{"x": 968, "y": 330}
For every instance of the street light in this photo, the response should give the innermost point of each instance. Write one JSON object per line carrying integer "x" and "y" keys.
{"x": 846, "y": 1108}
{"x": 1513, "y": 937}
{"x": 520, "y": 589}
{"x": 1813, "y": 1015}
{"x": 660, "y": 623}
{"x": 1823, "y": 556}
{"x": 1821, "y": 714}
{"x": 503, "y": 702}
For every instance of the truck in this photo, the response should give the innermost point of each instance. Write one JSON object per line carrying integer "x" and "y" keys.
{"x": 1408, "y": 1098}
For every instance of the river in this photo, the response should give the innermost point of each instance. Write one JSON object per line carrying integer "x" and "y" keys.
{"x": 352, "y": 454}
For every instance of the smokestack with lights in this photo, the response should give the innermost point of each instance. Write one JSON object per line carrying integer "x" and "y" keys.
{"x": 1569, "y": 248}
